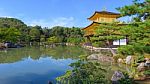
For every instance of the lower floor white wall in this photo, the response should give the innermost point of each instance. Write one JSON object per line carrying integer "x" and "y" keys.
{"x": 120, "y": 42}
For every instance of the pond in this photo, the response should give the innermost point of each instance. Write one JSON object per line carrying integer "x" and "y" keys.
{"x": 36, "y": 65}
{"x": 39, "y": 65}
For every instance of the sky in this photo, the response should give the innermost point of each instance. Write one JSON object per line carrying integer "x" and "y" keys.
{"x": 50, "y": 13}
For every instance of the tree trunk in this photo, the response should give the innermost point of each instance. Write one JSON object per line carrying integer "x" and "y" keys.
{"x": 111, "y": 50}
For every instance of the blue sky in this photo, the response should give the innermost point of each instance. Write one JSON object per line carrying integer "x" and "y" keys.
{"x": 51, "y": 13}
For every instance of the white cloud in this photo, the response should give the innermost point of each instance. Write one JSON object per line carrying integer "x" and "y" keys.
{"x": 61, "y": 21}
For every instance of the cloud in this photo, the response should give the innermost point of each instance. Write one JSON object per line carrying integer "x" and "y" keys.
{"x": 61, "y": 21}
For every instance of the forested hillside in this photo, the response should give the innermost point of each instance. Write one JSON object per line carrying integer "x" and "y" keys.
{"x": 14, "y": 30}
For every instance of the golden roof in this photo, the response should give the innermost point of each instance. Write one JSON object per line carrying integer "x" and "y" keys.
{"x": 98, "y": 14}
{"x": 90, "y": 30}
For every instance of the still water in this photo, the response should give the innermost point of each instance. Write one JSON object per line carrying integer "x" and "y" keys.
{"x": 36, "y": 65}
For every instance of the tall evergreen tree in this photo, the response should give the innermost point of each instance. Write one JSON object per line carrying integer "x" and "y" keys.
{"x": 138, "y": 31}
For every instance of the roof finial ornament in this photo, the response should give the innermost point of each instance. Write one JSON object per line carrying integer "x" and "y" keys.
{"x": 104, "y": 8}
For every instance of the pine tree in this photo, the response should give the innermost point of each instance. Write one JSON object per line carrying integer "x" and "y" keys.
{"x": 138, "y": 31}
{"x": 140, "y": 10}
{"x": 107, "y": 33}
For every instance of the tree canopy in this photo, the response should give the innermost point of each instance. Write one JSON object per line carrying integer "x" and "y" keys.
{"x": 14, "y": 30}
{"x": 139, "y": 9}
{"x": 138, "y": 31}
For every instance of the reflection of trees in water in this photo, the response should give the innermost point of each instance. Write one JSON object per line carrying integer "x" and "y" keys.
{"x": 59, "y": 52}
{"x": 110, "y": 68}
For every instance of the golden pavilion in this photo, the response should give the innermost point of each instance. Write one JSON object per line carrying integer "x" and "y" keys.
{"x": 101, "y": 17}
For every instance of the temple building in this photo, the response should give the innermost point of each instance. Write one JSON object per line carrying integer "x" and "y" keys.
{"x": 102, "y": 17}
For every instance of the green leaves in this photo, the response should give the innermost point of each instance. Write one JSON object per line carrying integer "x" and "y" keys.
{"x": 71, "y": 35}
{"x": 12, "y": 29}
{"x": 75, "y": 40}
{"x": 66, "y": 76}
{"x": 147, "y": 72}
{"x": 139, "y": 8}
{"x": 53, "y": 39}
{"x": 85, "y": 72}
{"x": 127, "y": 79}
{"x": 36, "y": 33}
{"x": 10, "y": 34}
{"x": 108, "y": 32}
{"x": 126, "y": 50}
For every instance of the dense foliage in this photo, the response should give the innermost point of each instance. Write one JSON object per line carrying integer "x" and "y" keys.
{"x": 107, "y": 32}
{"x": 65, "y": 34}
{"x": 84, "y": 72}
{"x": 126, "y": 80}
{"x": 14, "y": 30}
{"x": 13, "y": 23}
{"x": 138, "y": 31}
{"x": 10, "y": 34}
{"x": 139, "y": 9}
{"x": 147, "y": 72}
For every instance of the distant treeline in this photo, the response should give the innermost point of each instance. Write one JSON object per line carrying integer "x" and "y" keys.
{"x": 14, "y": 30}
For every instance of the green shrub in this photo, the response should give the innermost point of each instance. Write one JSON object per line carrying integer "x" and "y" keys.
{"x": 126, "y": 80}
{"x": 147, "y": 49}
{"x": 75, "y": 40}
{"x": 117, "y": 56}
{"x": 126, "y": 50}
{"x": 95, "y": 44}
{"x": 147, "y": 72}
{"x": 98, "y": 44}
{"x": 84, "y": 72}
{"x": 141, "y": 58}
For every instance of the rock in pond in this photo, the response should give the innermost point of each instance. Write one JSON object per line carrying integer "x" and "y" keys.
{"x": 120, "y": 60}
{"x": 116, "y": 77}
{"x": 128, "y": 59}
{"x": 2, "y": 46}
{"x": 93, "y": 57}
{"x": 147, "y": 63}
{"x": 141, "y": 66}
{"x": 100, "y": 57}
